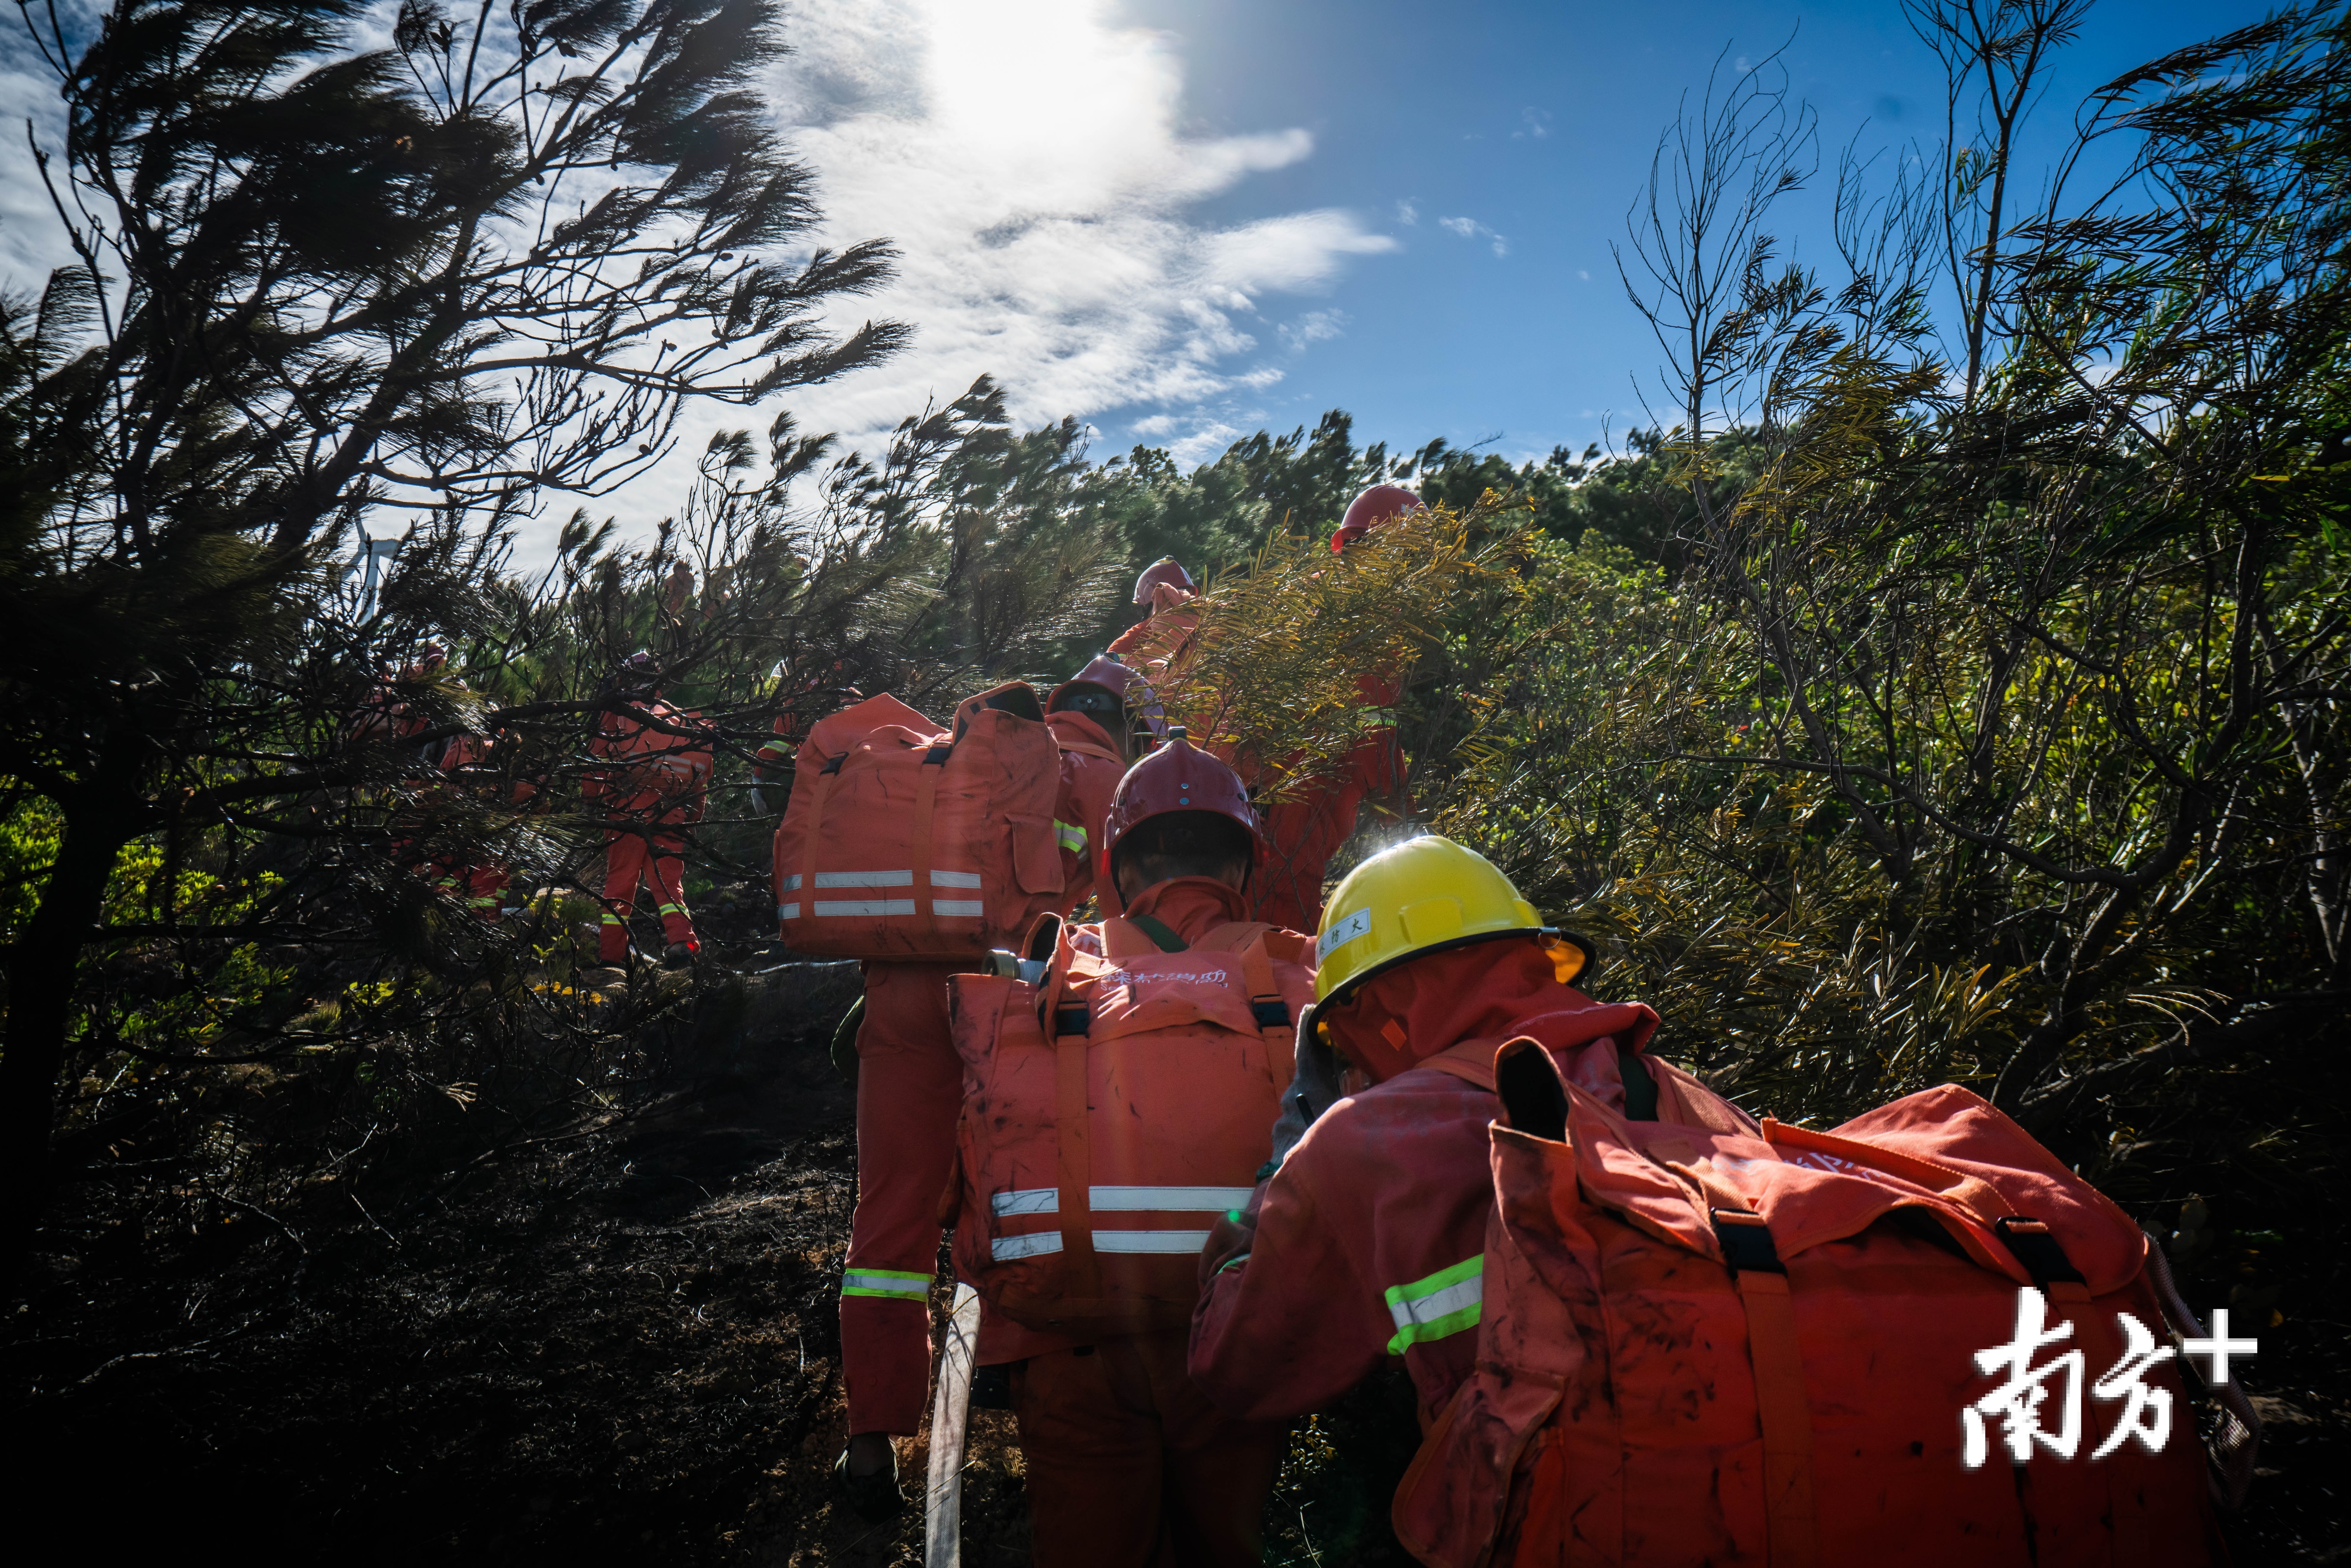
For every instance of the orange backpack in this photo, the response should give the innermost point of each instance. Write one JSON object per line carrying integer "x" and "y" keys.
{"x": 1705, "y": 1347}
{"x": 1112, "y": 1110}
{"x": 904, "y": 840}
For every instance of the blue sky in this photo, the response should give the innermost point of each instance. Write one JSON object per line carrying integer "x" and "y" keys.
{"x": 1536, "y": 122}
{"x": 1181, "y": 221}
{"x": 1192, "y": 218}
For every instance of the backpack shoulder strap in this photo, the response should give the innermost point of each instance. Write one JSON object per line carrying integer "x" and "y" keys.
{"x": 1245, "y": 939}
{"x": 1158, "y": 930}
{"x": 1466, "y": 1068}
{"x": 1233, "y": 935}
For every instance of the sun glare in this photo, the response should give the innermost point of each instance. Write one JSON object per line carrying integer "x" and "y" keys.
{"x": 1052, "y": 86}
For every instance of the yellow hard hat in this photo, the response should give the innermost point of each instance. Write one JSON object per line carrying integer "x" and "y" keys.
{"x": 1425, "y": 893}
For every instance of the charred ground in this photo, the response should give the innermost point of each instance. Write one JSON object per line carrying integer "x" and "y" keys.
{"x": 619, "y": 1344}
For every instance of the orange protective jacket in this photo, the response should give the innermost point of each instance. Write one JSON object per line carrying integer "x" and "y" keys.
{"x": 648, "y": 769}
{"x": 1114, "y": 1108}
{"x": 1380, "y": 1212}
{"x": 1090, "y": 776}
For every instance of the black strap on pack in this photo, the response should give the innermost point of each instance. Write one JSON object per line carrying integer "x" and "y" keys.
{"x": 834, "y": 766}
{"x": 936, "y": 755}
{"x": 1746, "y": 1241}
{"x": 1640, "y": 1089}
{"x": 1158, "y": 931}
{"x": 1273, "y": 1013}
{"x": 2039, "y": 1251}
{"x": 1072, "y": 1018}
{"x": 1531, "y": 1096}
{"x": 1018, "y": 698}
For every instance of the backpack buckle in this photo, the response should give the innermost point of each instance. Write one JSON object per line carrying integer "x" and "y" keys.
{"x": 2042, "y": 1257}
{"x": 1271, "y": 1014}
{"x": 1746, "y": 1241}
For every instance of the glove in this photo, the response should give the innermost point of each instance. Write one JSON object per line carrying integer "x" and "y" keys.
{"x": 1313, "y": 1089}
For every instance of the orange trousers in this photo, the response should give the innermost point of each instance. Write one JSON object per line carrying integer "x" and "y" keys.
{"x": 632, "y": 856}
{"x": 909, "y": 1094}
{"x": 1130, "y": 1466}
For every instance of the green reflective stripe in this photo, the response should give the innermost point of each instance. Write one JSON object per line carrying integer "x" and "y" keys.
{"x": 1073, "y": 837}
{"x": 1438, "y": 1307}
{"x": 609, "y": 918}
{"x": 895, "y": 1284}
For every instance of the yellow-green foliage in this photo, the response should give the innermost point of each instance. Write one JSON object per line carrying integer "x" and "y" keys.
{"x": 1278, "y": 663}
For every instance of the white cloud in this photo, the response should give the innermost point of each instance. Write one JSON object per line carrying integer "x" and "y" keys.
{"x": 1314, "y": 327}
{"x": 1470, "y": 228}
{"x": 1406, "y": 214}
{"x": 31, "y": 239}
{"x": 1534, "y": 124}
{"x": 1027, "y": 160}
{"x": 1207, "y": 440}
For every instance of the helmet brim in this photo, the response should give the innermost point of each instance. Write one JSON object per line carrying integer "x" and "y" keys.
{"x": 1583, "y": 945}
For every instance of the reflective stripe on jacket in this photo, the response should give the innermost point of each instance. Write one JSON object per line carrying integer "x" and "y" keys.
{"x": 1369, "y": 1238}
{"x": 1378, "y": 1211}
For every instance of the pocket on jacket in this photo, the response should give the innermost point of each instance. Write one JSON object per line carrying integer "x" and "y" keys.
{"x": 1036, "y": 854}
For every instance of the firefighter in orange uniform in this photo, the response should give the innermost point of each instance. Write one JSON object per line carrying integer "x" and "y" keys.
{"x": 909, "y": 1094}
{"x": 805, "y": 702}
{"x": 1160, "y": 593}
{"x": 1366, "y": 1241}
{"x": 652, "y": 784}
{"x": 1305, "y": 831}
{"x": 1308, "y": 828}
{"x": 1127, "y": 1461}
{"x": 384, "y": 717}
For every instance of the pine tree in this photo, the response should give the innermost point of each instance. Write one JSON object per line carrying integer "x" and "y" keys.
{"x": 315, "y": 283}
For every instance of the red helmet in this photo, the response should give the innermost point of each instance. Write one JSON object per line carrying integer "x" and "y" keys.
{"x": 1103, "y": 671}
{"x": 1122, "y": 681}
{"x": 1380, "y": 504}
{"x": 1178, "y": 777}
{"x": 1165, "y": 569}
{"x": 1099, "y": 692}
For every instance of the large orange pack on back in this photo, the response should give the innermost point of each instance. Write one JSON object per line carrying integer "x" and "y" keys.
{"x": 906, "y": 841}
{"x": 1707, "y": 1347}
{"x": 1111, "y": 1111}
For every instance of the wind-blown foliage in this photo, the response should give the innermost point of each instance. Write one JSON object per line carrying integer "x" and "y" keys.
{"x": 314, "y": 282}
{"x": 1992, "y": 729}
{"x": 1941, "y": 697}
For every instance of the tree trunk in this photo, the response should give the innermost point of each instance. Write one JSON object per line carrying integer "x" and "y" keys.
{"x": 41, "y": 969}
